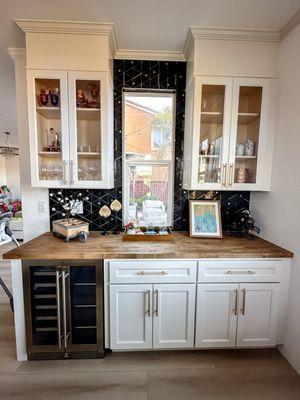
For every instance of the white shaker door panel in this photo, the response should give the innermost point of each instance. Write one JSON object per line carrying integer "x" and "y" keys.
{"x": 130, "y": 316}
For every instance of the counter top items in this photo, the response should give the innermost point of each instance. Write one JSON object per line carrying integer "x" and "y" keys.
{"x": 113, "y": 247}
{"x": 243, "y": 223}
{"x": 135, "y": 233}
{"x": 71, "y": 228}
{"x": 205, "y": 219}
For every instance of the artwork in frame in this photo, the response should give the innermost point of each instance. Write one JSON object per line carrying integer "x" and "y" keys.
{"x": 205, "y": 219}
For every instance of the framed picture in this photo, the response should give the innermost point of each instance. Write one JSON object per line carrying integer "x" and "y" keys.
{"x": 205, "y": 219}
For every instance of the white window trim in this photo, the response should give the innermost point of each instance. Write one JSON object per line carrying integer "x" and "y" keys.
{"x": 170, "y": 163}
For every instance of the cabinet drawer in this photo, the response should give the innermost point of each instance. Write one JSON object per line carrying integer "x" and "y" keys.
{"x": 152, "y": 271}
{"x": 239, "y": 271}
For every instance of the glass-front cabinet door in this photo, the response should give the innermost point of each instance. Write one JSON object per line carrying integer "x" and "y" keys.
{"x": 247, "y": 144}
{"x": 211, "y": 148}
{"x": 48, "y": 125}
{"x": 88, "y": 113}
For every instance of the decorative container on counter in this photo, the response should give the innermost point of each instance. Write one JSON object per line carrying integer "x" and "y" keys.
{"x": 71, "y": 228}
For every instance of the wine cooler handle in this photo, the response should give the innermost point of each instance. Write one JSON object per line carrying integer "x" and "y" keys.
{"x": 66, "y": 334}
{"x": 58, "y": 276}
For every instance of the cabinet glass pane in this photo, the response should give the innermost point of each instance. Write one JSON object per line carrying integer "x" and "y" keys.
{"x": 48, "y": 123}
{"x": 88, "y": 118}
{"x": 211, "y": 133}
{"x": 44, "y": 311}
{"x": 83, "y": 305}
{"x": 247, "y": 134}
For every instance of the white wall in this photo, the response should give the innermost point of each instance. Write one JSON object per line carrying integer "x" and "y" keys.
{"x": 34, "y": 223}
{"x": 277, "y": 212}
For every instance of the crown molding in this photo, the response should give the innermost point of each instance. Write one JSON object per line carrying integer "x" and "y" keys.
{"x": 254, "y": 35}
{"x": 290, "y": 25}
{"x": 150, "y": 55}
{"x": 17, "y": 54}
{"x": 70, "y": 27}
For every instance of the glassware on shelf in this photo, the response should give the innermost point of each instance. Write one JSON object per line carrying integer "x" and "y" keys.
{"x": 249, "y": 147}
{"x": 54, "y": 97}
{"x": 81, "y": 100}
{"x": 95, "y": 94}
{"x": 92, "y": 171}
{"x": 81, "y": 173}
{"x": 44, "y": 96}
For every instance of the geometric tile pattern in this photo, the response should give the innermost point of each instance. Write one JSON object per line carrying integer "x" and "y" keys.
{"x": 145, "y": 75}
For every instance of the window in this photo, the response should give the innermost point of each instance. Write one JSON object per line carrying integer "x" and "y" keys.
{"x": 148, "y": 158}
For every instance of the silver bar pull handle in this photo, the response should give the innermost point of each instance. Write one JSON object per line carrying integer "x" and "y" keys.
{"x": 224, "y": 174}
{"x": 230, "y": 272}
{"x": 156, "y": 303}
{"x": 65, "y": 172}
{"x": 147, "y": 301}
{"x": 66, "y": 335}
{"x": 235, "y": 301}
{"x": 58, "y": 275}
{"x": 152, "y": 273}
{"x": 71, "y": 172}
{"x": 244, "y": 302}
{"x": 230, "y": 175}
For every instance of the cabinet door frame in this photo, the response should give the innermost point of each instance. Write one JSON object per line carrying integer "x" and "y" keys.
{"x": 99, "y": 346}
{"x": 106, "y": 131}
{"x": 196, "y": 117}
{"x": 31, "y": 348}
{"x": 202, "y": 288}
{"x": 158, "y": 290}
{"x": 146, "y": 289}
{"x": 270, "y": 341}
{"x": 265, "y": 142}
{"x": 32, "y": 122}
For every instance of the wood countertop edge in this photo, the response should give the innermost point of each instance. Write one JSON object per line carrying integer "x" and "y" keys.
{"x": 240, "y": 247}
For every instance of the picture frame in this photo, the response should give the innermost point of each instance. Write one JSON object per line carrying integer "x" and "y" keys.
{"x": 205, "y": 219}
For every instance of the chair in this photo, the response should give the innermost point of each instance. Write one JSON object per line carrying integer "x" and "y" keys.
{"x": 154, "y": 213}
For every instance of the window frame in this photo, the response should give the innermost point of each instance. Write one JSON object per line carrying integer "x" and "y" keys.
{"x": 169, "y": 163}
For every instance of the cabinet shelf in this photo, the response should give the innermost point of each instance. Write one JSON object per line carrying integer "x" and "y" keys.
{"x": 246, "y": 118}
{"x": 49, "y": 112}
{"x": 49, "y": 153}
{"x": 88, "y": 114}
{"x": 88, "y": 153}
{"x": 211, "y": 117}
{"x": 209, "y": 156}
{"x": 245, "y": 157}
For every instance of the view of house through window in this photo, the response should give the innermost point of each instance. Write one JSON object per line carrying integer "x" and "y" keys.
{"x": 148, "y": 158}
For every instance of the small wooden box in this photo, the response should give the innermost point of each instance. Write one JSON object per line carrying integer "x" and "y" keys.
{"x": 69, "y": 228}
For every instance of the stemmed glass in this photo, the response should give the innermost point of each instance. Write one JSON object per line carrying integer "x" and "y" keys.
{"x": 92, "y": 171}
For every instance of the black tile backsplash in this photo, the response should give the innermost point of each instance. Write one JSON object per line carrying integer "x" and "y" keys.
{"x": 147, "y": 75}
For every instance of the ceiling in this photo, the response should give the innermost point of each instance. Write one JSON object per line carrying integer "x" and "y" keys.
{"x": 162, "y": 24}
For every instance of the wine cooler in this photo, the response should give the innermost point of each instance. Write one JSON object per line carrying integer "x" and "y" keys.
{"x": 63, "y": 309}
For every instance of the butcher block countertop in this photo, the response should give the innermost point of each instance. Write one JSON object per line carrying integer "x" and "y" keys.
{"x": 112, "y": 246}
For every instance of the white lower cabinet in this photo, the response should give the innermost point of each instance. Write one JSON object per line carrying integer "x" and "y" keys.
{"x": 216, "y": 319}
{"x": 258, "y": 317}
{"x": 130, "y": 316}
{"x": 173, "y": 316}
{"x": 241, "y": 315}
{"x": 152, "y": 316}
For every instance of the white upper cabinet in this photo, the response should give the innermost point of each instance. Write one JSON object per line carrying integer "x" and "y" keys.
{"x": 227, "y": 144}
{"x": 229, "y": 119}
{"x": 70, "y": 103}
